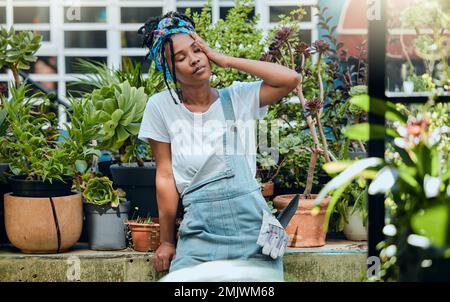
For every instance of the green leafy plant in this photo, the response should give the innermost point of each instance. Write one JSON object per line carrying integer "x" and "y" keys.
{"x": 423, "y": 83}
{"x": 287, "y": 49}
{"x": 82, "y": 132}
{"x": 108, "y": 84}
{"x": 416, "y": 180}
{"x": 100, "y": 191}
{"x": 119, "y": 108}
{"x": 99, "y": 75}
{"x": 33, "y": 146}
{"x": 30, "y": 143}
{"x": 17, "y": 50}
{"x": 144, "y": 220}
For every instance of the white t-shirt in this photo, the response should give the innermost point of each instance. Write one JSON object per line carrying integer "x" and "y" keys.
{"x": 195, "y": 136}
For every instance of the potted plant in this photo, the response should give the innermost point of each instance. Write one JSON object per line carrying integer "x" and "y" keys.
{"x": 144, "y": 234}
{"x": 415, "y": 178}
{"x": 120, "y": 99}
{"x": 306, "y": 227}
{"x": 352, "y": 212}
{"x": 266, "y": 171}
{"x": 28, "y": 44}
{"x": 119, "y": 108}
{"x": 106, "y": 214}
{"x": 42, "y": 213}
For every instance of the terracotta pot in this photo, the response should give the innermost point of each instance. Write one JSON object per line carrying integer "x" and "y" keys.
{"x": 43, "y": 225}
{"x": 145, "y": 236}
{"x": 267, "y": 189}
{"x": 304, "y": 229}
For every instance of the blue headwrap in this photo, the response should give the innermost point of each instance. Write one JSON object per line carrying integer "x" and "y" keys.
{"x": 166, "y": 27}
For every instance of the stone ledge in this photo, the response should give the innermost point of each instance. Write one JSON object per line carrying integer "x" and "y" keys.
{"x": 336, "y": 261}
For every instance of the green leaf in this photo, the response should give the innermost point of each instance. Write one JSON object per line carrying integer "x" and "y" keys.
{"x": 81, "y": 165}
{"x": 378, "y": 107}
{"x": 117, "y": 115}
{"x": 331, "y": 206}
{"x": 347, "y": 175}
{"x": 365, "y": 132}
{"x": 335, "y": 167}
{"x": 433, "y": 223}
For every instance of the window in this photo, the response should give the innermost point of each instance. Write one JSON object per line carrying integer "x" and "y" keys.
{"x": 139, "y": 14}
{"x": 31, "y": 15}
{"x": 85, "y": 39}
{"x": 73, "y": 63}
{"x": 2, "y": 15}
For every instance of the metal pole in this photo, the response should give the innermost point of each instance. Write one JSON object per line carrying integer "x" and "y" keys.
{"x": 376, "y": 148}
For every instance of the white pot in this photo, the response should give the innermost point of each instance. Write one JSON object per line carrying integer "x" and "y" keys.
{"x": 354, "y": 229}
{"x": 408, "y": 86}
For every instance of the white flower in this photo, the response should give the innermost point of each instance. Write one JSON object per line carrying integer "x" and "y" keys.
{"x": 390, "y": 230}
{"x": 426, "y": 263}
{"x": 436, "y": 135}
{"x": 384, "y": 180}
{"x": 400, "y": 142}
{"x": 431, "y": 186}
{"x": 419, "y": 241}
{"x": 391, "y": 251}
{"x": 402, "y": 131}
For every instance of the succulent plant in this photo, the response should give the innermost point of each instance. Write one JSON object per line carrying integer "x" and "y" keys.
{"x": 303, "y": 49}
{"x": 313, "y": 106}
{"x": 119, "y": 108}
{"x": 100, "y": 191}
{"x": 17, "y": 50}
{"x": 321, "y": 46}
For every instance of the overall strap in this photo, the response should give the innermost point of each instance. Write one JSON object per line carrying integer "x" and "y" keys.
{"x": 227, "y": 105}
{"x": 228, "y": 111}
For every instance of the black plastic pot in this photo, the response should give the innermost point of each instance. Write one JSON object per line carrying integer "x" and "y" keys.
{"x": 139, "y": 183}
{"x": 106, "y": 226}
{"x": 104, "y": 168}
{"x": 35, "y": 188}
{"x": 140, "y": 187}
{"x": 4, "y": 188}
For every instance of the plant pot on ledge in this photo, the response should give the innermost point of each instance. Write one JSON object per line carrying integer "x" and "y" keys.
{"x": 139, "y": 183}
{"x": 43, "y": 222}
{"x": 106, "y": 226}
{"x": 304, "y": 229}
{"x": 355, "y": 229}
{"x": 145, "y": 236}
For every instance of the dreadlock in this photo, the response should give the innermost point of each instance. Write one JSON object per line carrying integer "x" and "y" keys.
{"x": 147, "y": 31}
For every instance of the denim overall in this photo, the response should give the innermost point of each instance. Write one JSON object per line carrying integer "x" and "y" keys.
{"x": 223, "y": 209}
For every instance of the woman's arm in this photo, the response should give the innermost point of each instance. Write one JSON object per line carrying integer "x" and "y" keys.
{"x": 167, "y": 198}
{"x": 278, "y": 80}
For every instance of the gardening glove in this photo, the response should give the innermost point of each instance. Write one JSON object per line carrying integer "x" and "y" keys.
{"x": 272, "y": 237}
